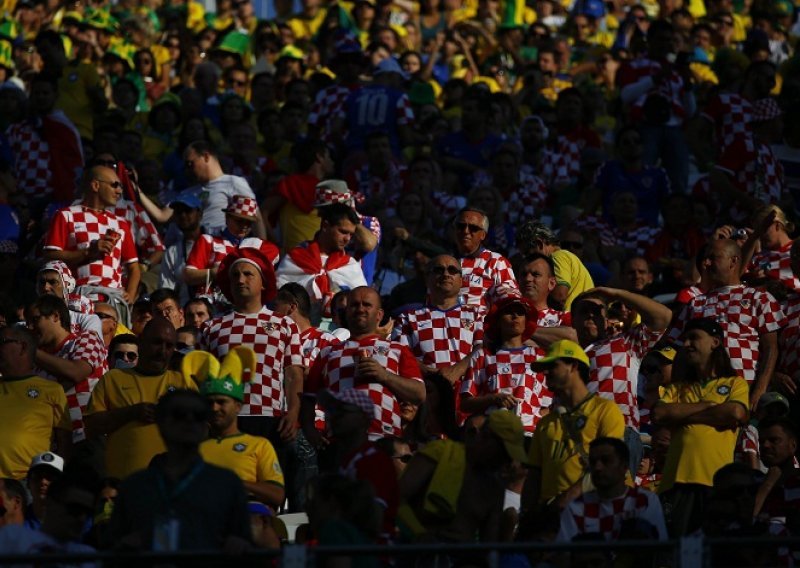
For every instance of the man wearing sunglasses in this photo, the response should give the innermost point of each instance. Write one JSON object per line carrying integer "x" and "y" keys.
{"x": 122, "y": 405}
{"x": 483, "y": 271}
{"x": 95, "y": 243}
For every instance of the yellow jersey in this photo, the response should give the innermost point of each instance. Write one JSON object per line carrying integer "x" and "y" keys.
{"x": 73, "y": 98}
{"x": 561, "y": 441}
{"x": 697, "y": 451}
{"x": 252, "y": 458}
{"x": 30, "y": 408}
{"x": 571, "y": 272}
{"x": 131, "y": 447}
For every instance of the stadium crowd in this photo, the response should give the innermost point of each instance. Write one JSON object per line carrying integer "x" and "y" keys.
{"x": 445, "y": 271}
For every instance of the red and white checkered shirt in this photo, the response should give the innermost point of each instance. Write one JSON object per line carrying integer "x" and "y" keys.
{"x": 731, "y": 114}
{"x": 508, "y": 371}
{"x": 744, "y": 313}
{"x": 31, "y": 159}
{"x": 76, "y": 227}
{"x": 549, "y": 317}
{"x": 145, "y": 234}
{"x": 388, "y": 186}
{"x": 276, "y": 341}
{"x": 335, "y": 370}
{"x": 747, "y": 443}
{"x": 559, "y": 166}
{"x": 328, "y": 103}
{"x": 614, "y": 369}
{"x": 776, "y": 265}
{"x": 440, "y": 338}
{"x": 482, "y": 274}
{"x": 589, "y": 513}
{"x": 526, "y": 201}
{"x": 208, "y": 252}
{"x": 672, "y": 88}
{"x": 314, "y": 340}
{"x": 88, "y": 347}
{"x": 447, "y": 205}
{"x": 635, "y": 241}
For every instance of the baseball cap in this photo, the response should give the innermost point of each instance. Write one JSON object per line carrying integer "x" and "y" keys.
{"x": 508, "y": 427}
{"x": 187, "y": 199}
{"x": 772, "y": 397}
{"x": 709, "y": 325}
{"x": 667, "y": 353}
{"x": 564, "y": 349}
{"x": 357, "y": 397}
{"x": 47, "y": 459}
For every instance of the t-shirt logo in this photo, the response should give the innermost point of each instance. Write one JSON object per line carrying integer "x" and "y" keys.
{"x": 724, "y": 390}
{"x": 382, "y": 350}
{"x": 170, "y": 388}
{"x": 745, "y": 303}
{"x": 467, "y": 324}
{"x": 268, "y": 326}
{"x": 33, "y": 393}
{"x": 239, "y": 447}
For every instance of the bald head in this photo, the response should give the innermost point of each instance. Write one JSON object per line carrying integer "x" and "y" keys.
{"x": 156, "y": 346}
{"x": 364, "y": 311}
{"x": 722, "y": 264}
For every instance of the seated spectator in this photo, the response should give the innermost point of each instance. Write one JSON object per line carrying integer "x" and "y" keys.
{"x": 777, "y": 497}
{"x": 44, "y": 469}
{"x": 197, "y": 311}
{"x": 13, "y": 498}
{"x": 123, "y": 352}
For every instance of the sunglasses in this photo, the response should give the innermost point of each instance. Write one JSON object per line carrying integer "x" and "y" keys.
{"x": 186, "y": 414}
{"x": 106, "y": 163}
{"x": 114, "y": 184}
{"x": 440, "y": 270}
{"x": 237, "y": 83}
{"x": 461, "y": 226}
{"x": 129, "y": 356}
{"x": 103, "y": 316}
{"x": 405, "y": 458}
{"x": 181, "y": 346}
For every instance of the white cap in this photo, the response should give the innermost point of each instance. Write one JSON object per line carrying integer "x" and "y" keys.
{"x": 49, "y": 459}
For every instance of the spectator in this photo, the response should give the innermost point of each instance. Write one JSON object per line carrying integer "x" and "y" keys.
{"x": 197, "y": 311}
{"x": 187, "y": 213}
{"x": 167, "y": 303}
{"x": 13, "y": 499}
{"x": 44, "y": 469}
{"x": 35, "y": 411}
{"x": 211, "y": 510}
{"x": 123, "y": 352}
{"x": 703, "y": 407}
{"x": 122, "y": 407}
{"x": 776, "y": 498}
{"x": 560, "y": 445}
{"x": 537, "y": 278}
{"x": 55, "y": 279}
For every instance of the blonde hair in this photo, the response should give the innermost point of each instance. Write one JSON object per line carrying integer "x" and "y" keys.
{"x": 780, "y": 216}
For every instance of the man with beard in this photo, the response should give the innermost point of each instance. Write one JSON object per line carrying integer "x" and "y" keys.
{"x": 122, "y": 406}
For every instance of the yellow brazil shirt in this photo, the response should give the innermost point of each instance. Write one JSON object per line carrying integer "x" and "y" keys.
{"x": 73, "y": 95}
{"x": 131, "y": 447}
{"x": 560, "y": 440}
{"x": 571, "y": 272}
{"x": 252, "y": 458}
{"x": 30, "y": 408}
{"x": 697, "y": 451}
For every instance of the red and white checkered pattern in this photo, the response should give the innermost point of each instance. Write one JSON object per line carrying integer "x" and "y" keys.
{"x": 448, "y": 205}
{"x": 145, "y": 234}
{"x": 731, "y": 114}
{"x": 76, "y": 227}
{"x": 789, "y": 339}
{"x": 589, "y": 513}
{"x": 549, "y": 317}
{"x": 635, "y": 241}
{"x": 276, "y": 341}
{"x": 85, "y": 346}
{"x": 327, "y": 104}
{"x": 243, "y": 206}
{"x": 557, "y": 167}
{"x": 313, "y": 341}
{"x": 209, "y": 251}
{"x": 526, "y": 201}
{"x": 672, "y": 88}
{"x": 614, "y": 371}
{"x": 746, "y": 444}
{"x": 440, "y": 338}
{"x": 508, "y": 371}
{"x": 744, "y": 313}
{"x": 31, "y": 160}
{"x": 388, "y": 186}
{"x": 335, "y": 369}
{"x": 776, "y": 265}
{"x": 766, "y": 109}
{"x": 755, "y": 170}
{"x": 482, "y": 274}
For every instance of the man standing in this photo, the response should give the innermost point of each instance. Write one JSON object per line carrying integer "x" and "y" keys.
{"x": 33, "y": 410}
{"x": 252, "y": 458}
{"x": 749, "y": 317}
{"x": 537, "y": 278}
{"x": 77, "y": 362}
{"x": 55, "y": 279}
{"x": 187, "y": 213}
{"x": 443, "y": 334}
{"x": 704, "y": 409}
{"x": 322, "y": 266}
{"x": 385, "y": 369}
{"x": 96, "y": 243}
{"x": 611, "y": 504}
{"x": 205, "y": 507}
{"x": 122, "y": 406}
{"x": 272, "y": 397}
{"x": 482, "y": 270}
{"x": 560, "y": 448}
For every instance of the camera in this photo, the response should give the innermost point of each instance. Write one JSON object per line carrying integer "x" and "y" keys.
{"x": 739, "y": 234}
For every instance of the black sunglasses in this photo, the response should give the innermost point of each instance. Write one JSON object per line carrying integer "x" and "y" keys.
{"x": 181, "y": 345}
{"x": 103, "y": 316}
{"x": 440, "y": 270}
{"x": 405, "y": 458}
{"x": 129, "y": 356}
{"x": 461, "y": 226}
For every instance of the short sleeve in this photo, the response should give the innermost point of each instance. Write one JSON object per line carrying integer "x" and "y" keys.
{"x": 293, "y": 354}
{"x": 612, "y": 423}
{"x": 129, "y": 254}
{"x": 57, "y": 236}
{"x": 97, "y": 400}
{"x": 408, "y": 365}
{"x": 200, "y": 253}
{"x": 269, "y": 469}
{"x": 61, "y": 416}
{"x": 740, "y": 392}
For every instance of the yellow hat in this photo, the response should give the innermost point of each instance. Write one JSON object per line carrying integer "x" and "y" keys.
{"x": 667, "y": 352}
{"x": 508, "y": 427}
{"x": 564, "y": 349}
{"x": 227, "y": 378}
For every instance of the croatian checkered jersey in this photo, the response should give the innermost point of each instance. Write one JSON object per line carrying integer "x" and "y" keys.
{"x": 483, "y": 274}
{"x": 634, "y": 241}
{"x": 276, "y": 341}
{"x": 76, "y": 227}
{"x": 335, "y": 369}
{"x": 88, "y": 347}
{"x": 776, "y": 265}
{"x": 744, "y": 313}
{"x": 145, "y": 234}
{"x": 440, "y": 338}
{"x": 614, "y": 368}
{"x": 789, "y": 338}
{"x": 527, "y": 200}
{"x": 589, "y": 513}
{"x": 549, "y": 317}
{"x": 731, "y": 114}
{"x": 314, "y": 340}
{"x": 327, "y": 104}
{"x": 508, "y": 371}
{"x": 208, "y": 252}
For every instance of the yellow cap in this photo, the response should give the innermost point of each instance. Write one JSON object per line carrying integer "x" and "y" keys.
{"x": 564, "y": 349}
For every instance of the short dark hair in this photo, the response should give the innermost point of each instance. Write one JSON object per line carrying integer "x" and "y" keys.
{"x": 201, "y": 300}
{"x": 123, "y": 338}
{"x": 337, "y": 212}
{"x": 24, "y": 336}
{"x": 534, "y": 256}
{"x": 201, "y": 147}
{"x": 620, "y": 447}
{"x": 168, "y": 400}
{"x": 49, "y": 305}
{"x": 15, "y": 488}
{"x": 187, "y": 329}
{"x": 81, "y": 477}
{"x": 294, "y": 293}
{"x": 305, "y": 153}
{"x": 783, "y": 422}
{"x": 164, "y": 294}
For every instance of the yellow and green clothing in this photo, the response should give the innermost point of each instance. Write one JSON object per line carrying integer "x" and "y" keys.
{"x": 252, "y": 458}
{"x": 571, "y": 272}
